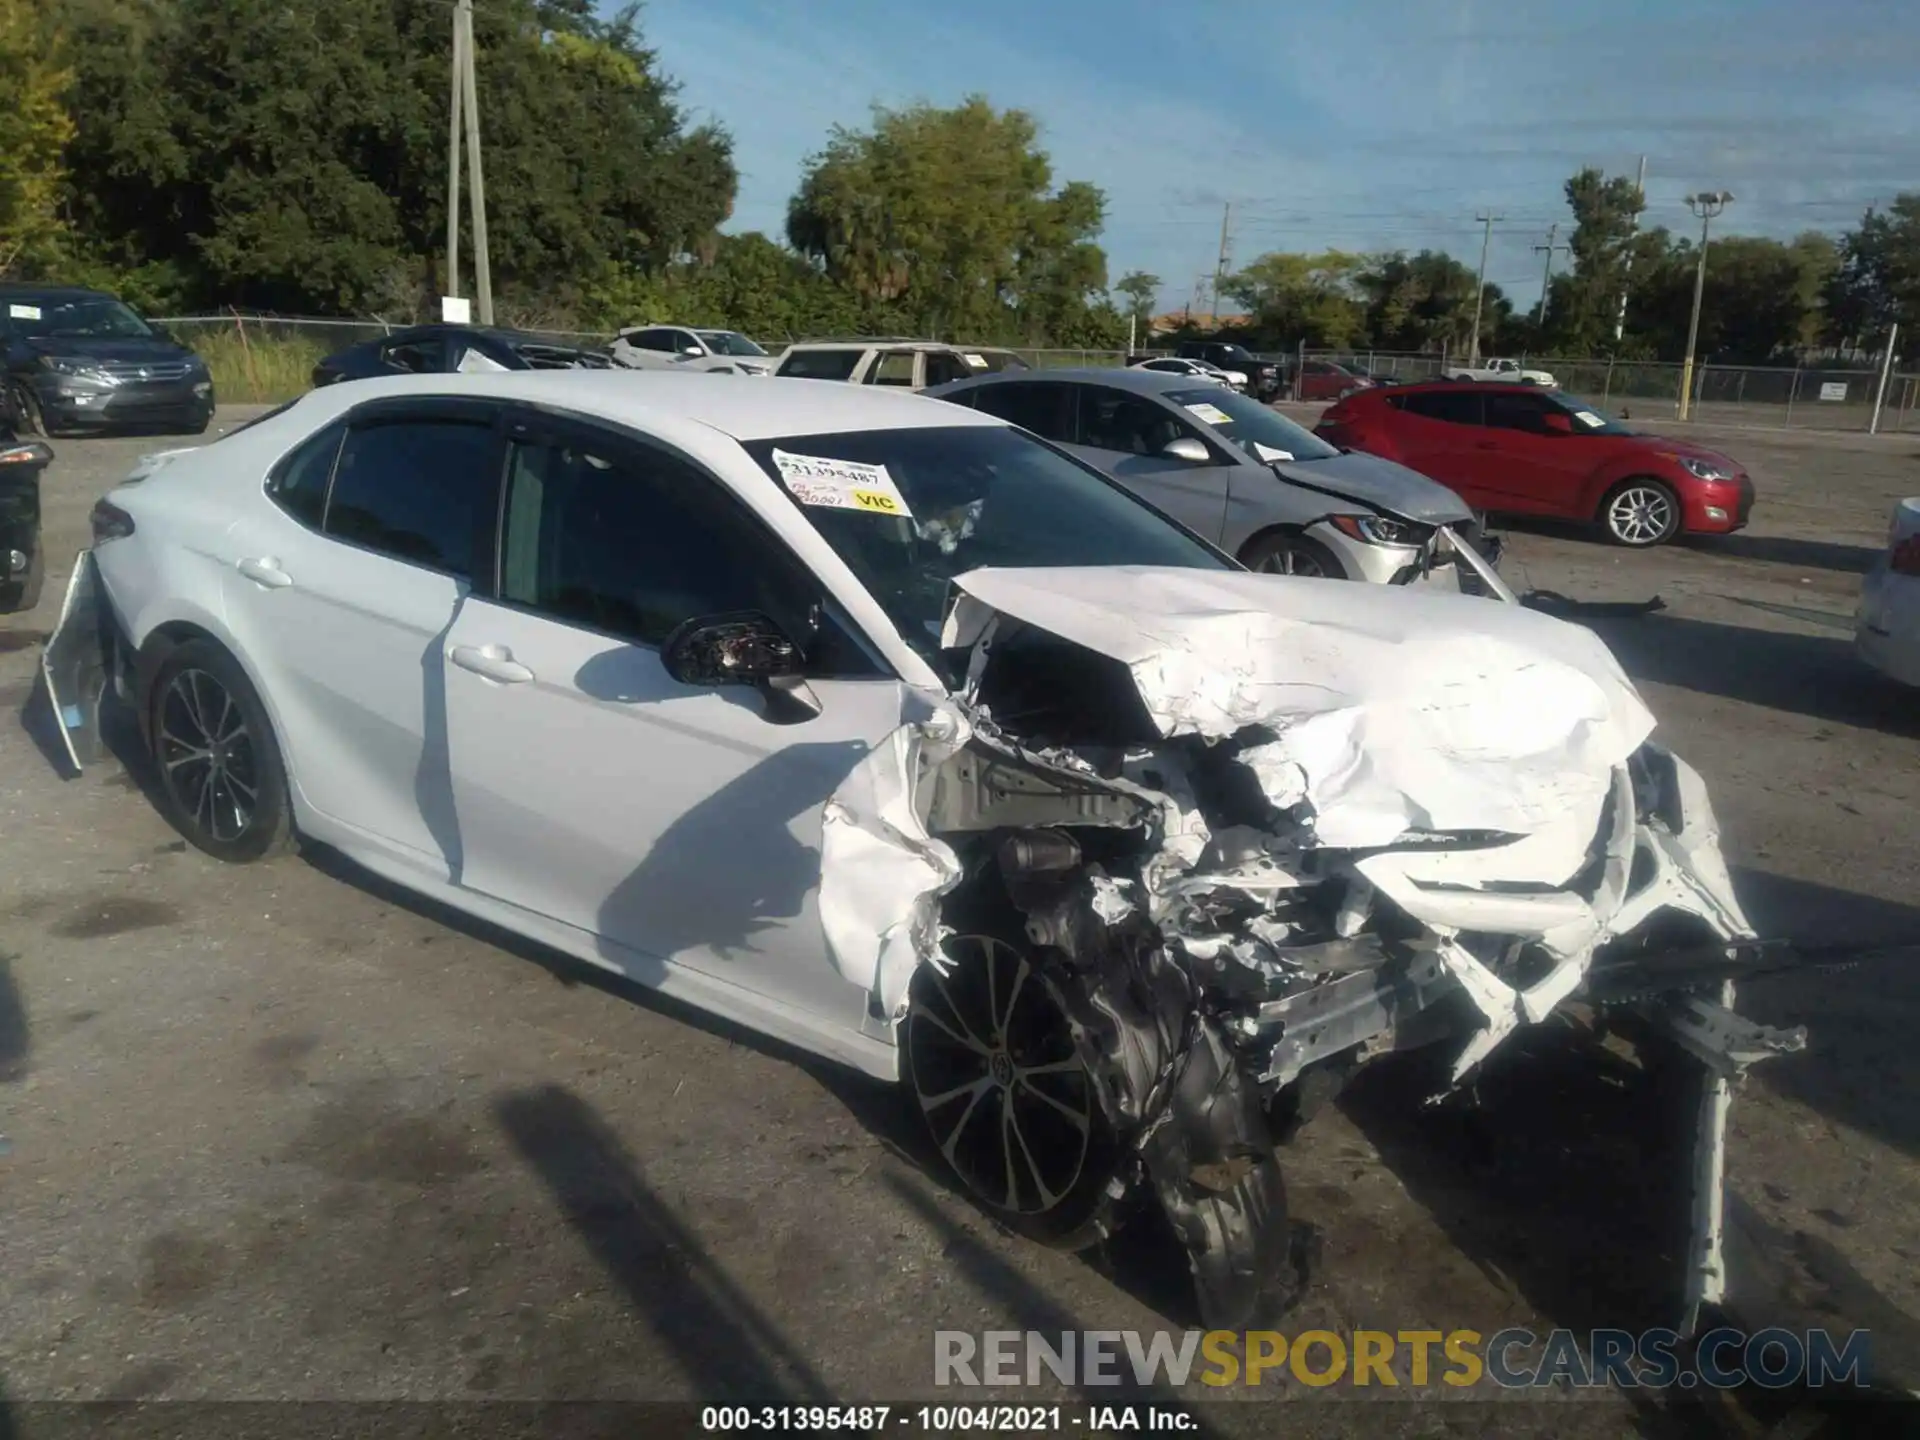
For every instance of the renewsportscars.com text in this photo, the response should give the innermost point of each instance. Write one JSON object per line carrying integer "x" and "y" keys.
{"x": 1508, "y": 1359}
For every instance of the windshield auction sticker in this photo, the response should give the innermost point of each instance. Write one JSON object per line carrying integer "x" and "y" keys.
{"x": 1212, "y": 414}
{"x": 840, "y": 484}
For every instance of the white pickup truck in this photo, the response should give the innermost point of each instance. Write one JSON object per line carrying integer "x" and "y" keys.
{"x": 1504, "y": 370}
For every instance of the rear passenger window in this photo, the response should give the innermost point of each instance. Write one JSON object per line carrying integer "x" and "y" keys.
{"x": 298, "y": 484}
{"x": 895, "y": 368}
{"x": 1046, "y": 410}
{"x": 419, "y": 490}
{"x": 1453, "y": 406}
{"x": 821, "y": 364}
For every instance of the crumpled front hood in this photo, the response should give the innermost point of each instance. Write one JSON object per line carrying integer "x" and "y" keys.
{"x": 1394, "y": 710}
{"x": 1383, "y": 484}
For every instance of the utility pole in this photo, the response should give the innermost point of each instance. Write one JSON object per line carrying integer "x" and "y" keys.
{"x": 483, "y": 273}
{"x": 1546, "y": 280}
{"x": 1220, "y": 266}
{"x": 453, "y": 159}
{"x": 1886, "y": 369}
{"x": 1706, "y": 204}
{"x": 1480, "y": 291}
{"x": 1620, "y": 321}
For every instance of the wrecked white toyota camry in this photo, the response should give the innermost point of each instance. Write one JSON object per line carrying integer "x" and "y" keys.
{"x": 888, "y": 730}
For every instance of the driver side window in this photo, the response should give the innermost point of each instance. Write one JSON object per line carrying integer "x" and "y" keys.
{"x": 1128, "y": 424}
{"x": 631, "y": 541}
{"x": 1517, "y": 412}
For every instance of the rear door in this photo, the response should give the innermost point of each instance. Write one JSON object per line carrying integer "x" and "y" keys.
{"x": 1043, "y": 407}
{"x": 894, "y": 367}
{"x": 1125, "y": 435}
{"x": 1533, "y": 469}
{"x": 1438, "y": 433}
{"x": 340, "y": 593}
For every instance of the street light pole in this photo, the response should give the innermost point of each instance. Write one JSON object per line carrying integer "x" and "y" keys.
{"x": 1706, "y": 205}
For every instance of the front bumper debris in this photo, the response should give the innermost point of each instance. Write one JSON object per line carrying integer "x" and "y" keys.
{"x": 1251, "y": 884}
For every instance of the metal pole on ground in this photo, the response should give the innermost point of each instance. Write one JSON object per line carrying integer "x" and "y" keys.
{"x": 1706, "y": 204}
{"x": 453, "y": 158}
{"x": 483, "y": 274}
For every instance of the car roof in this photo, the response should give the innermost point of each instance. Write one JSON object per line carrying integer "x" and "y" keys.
{"x": 53, "y": 292}
{"x": 897, "y": 343}
{"x": 1146, "y": 382}
{"x": 760, "y": 410}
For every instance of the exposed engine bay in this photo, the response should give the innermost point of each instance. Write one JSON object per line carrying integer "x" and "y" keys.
{"x": 1256, "y": 836}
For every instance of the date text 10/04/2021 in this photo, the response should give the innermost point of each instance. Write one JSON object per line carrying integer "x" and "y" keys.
{"x": 948, "y": 1419}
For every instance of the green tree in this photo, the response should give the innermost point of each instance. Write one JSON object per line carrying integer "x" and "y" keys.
{"x": 294, "y": 156}
{"x": 1876, "y": 279}
{"x": 1762, "y": 300}
{"x": 951, "y": 216}
{"x": 1292, "y": 298}
{"x": 34, "y": 130}
{"x": 1424, "y": 301}
{"x": 1586, "y": 300}
{"x": 1139, "y": 290}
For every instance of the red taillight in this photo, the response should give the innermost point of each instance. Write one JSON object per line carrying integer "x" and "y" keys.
{"x": 110, "y": 522}
{"x": 1905, "y": 559}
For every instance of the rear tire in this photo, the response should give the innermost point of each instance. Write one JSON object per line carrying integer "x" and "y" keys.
{"x": 1640, "y": 513}
{"x": 1284, "y": 553}
{"x": 218, "y": 774}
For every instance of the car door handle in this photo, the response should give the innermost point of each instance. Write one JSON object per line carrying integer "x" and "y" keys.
{"x": 266, "y": 572}
{"x": 496, "y": 662}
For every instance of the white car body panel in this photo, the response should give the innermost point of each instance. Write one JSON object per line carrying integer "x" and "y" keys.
{"x": 1887, "y": 634}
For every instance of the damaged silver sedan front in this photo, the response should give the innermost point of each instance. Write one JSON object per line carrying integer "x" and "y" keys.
{"x": 1267, "y": 837}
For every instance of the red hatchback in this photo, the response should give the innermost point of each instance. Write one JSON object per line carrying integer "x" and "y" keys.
{"x": 1539, "y": 452}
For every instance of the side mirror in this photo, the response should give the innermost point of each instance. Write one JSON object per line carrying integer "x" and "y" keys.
{"x": 1187, "y": 448}
{"x": 693, "y": 350}
{"x": 742, "y": 648}
{"x": 1555, "y": 423}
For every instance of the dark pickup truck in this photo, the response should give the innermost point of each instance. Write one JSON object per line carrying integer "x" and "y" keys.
{"x": 1264, "y": 377}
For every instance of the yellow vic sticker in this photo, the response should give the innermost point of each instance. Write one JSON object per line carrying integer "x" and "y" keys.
{"x": 876, "y": 500}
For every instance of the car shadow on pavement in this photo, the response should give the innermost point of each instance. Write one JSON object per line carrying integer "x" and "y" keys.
{"x": 1814, "y": 675}
{"x": 1861, "y": 1067}
{"x": 1787, "y": 550}
{"x": 728, "y": 1349}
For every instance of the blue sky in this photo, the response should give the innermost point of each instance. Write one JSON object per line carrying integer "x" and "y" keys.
{"x": 1362, "y": 126}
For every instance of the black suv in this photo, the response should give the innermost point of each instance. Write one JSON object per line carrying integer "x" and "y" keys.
{"x": 1264, "y": 378}
{"x": 80, "y": 360}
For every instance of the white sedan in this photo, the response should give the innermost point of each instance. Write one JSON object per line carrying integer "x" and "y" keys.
{"x": 885, "y": 729}
{"x": 1888, "y": 622}
{"x": 1198, "y": 369}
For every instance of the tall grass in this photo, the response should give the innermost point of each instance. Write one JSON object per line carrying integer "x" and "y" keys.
{"x": 262, "y": 370}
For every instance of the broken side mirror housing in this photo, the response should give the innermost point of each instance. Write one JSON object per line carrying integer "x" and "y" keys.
{"x": 741, "y": 648}
{"x": 1186, "y": 448}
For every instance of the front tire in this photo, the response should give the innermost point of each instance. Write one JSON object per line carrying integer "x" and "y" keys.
{"x": 218, "y": 774}
{"x": 1283, "y": 553}
{"x": 1640, "y": 513}
{"x": 993, "y": 1071}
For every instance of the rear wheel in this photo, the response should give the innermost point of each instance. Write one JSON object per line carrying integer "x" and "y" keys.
{"x": 1282, "y": 553}
{"x": 996, "y": 1078}
{"x": 1640, "y": 513}
{"x": 220, "y": 779}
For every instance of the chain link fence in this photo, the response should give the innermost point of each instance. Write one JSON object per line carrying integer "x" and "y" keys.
{"x": 268, "y": 358}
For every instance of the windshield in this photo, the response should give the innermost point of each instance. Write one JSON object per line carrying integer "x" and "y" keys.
{"x": 95, "y": 318}
{"x": 908, "y": 510}
{"x": 1588, "y": 420}
{"x": 729, "y": 342}
{"x": 1248, "y": 423}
